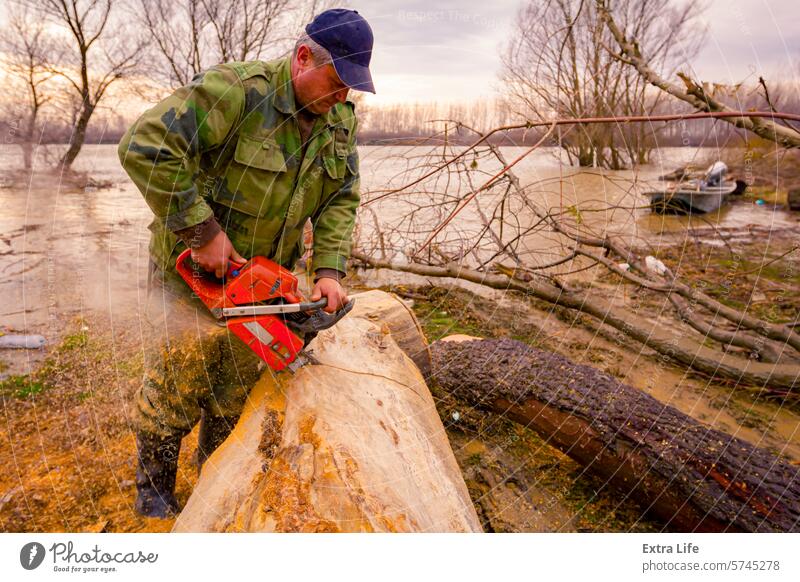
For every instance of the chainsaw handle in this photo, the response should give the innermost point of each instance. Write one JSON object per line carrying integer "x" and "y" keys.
{"x": 314, "y": 305}
{"x": 183, "y": 269}
{"x": 201, "y": 285}
{"x": 207, "y": 287}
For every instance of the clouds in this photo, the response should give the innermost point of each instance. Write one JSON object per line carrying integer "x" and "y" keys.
{"x": 449, "y": 50}
{"x": 445, "y": 51}
{"x": 747, "y": 38}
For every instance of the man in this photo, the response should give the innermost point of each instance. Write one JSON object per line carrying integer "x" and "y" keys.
{"x": 233, "y": 165}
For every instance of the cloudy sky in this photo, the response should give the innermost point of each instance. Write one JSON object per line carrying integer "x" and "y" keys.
{"x": 449, "y": 49}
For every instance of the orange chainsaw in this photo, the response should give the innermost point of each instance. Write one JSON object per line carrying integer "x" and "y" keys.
{"x": 259, "y": 302}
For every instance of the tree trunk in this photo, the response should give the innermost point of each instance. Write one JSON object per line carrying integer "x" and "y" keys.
{"x": 672, "y": 344}
{"x": 793, "y": 199}
{"x": 689, "y": 475}
{"x": 27, "y": 144}
{"x": 351, "y": 442}
{"x": 78, "y": 136}
{"x": 27, "y": 154}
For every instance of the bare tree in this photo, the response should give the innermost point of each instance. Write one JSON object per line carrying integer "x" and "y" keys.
{"x": 558, "y": 64}
{"x": 466, "y": 214}
{"x": 26, "y": 52}
{"x": 188, "y": 36}
{"x": 98, "y": 51}
{"x": 425, "y": 119}
{"x": 641, "y": 58}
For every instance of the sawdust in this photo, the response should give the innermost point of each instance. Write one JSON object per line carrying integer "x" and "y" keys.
{"x": 271, "y": 428}
{"x": 68, "y": 448}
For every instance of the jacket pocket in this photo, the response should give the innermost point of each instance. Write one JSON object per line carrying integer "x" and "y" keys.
{"x": 249, "y": 184}
{"x": 335, "y": 160}
{"x": 261, "y": 153}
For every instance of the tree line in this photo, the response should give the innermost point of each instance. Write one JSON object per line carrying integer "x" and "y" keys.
{"x": 68, "y": 64}
{"x": 63, "y": 59}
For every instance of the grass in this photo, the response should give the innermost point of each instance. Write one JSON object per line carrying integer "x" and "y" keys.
{"x": 74, "y": 341}
{"x": 22, "y": 386}
{"x": 443, "y": 313}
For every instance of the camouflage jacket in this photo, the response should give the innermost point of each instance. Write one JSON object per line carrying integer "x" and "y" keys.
{"x": 228, "y": 146}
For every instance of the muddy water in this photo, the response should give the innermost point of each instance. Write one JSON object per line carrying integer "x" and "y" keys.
{"x": 597, "y": 203}
{"x": 65, "y": 251}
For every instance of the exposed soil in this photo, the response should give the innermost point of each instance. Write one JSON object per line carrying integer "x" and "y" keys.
{"x": 65, "y": 439}
{"x": 69, "y": 453}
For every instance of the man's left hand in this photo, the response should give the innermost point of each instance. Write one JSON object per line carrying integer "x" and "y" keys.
{"x": 330, "y": 288}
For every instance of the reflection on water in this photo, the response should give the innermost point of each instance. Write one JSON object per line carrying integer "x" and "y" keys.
{"x": 596, "y": 202}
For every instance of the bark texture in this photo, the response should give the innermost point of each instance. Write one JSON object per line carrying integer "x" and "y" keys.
{"x": 689, "y": 475}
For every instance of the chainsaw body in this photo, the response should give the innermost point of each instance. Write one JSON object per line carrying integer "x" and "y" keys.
{"x": 260, "y": 304}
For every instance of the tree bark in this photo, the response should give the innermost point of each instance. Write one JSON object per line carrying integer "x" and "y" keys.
{"x": 670, "y": 343}
{"x": 689, "y": 475}
{"x": 78, "y": 135}
{"x": 350, "y": 443}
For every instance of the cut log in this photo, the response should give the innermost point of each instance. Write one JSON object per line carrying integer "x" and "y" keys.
{"x": 350, "y": 443}
{"x": 690, "y": 476}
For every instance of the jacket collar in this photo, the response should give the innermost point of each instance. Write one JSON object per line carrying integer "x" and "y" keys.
{"x": 284, "y": 91}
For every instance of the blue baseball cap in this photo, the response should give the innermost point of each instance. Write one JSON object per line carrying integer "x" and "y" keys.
{"x": 348, "y": 37}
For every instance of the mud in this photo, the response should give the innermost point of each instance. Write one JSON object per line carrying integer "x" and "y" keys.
{"x": 73, "y": 255}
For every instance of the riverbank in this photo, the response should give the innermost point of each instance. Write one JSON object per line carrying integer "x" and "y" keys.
{"x": 68, "y": 440}
{"x": 72, "y": 256}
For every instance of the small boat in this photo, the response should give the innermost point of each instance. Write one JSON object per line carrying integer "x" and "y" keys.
{"x": 696, "y": 196}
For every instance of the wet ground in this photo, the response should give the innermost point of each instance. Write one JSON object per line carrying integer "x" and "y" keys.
{"x": 72, "y": 261}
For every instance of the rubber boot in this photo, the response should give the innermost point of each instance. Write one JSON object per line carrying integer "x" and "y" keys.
{"x": 213, "y": 432}
{"x": 155, "y": 475}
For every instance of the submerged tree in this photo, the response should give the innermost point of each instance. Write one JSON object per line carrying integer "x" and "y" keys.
{"x": 98, "y": 50}
{"x": 26, "y": 52}
{"x": 559, "y": 64}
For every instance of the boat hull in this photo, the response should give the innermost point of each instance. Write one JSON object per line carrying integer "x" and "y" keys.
{"x": 691, "y": 201}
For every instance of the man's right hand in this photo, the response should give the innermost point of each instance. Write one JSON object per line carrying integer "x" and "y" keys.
{"x": 216, "y": 254}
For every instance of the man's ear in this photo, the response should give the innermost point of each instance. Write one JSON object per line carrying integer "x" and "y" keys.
{"x": 304, "y": 56}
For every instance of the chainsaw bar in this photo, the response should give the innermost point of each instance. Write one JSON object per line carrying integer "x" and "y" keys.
{"x": 274, "y": 309}
{"x": 303, "y": 358}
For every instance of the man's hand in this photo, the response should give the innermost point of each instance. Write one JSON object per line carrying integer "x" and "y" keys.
{"x": 216, "y": 254}
{"x": 330, "y": 288}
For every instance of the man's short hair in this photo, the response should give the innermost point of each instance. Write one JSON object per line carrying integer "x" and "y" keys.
{"x": 320, "y": 54}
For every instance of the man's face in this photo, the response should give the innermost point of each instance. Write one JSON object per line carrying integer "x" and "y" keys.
{"x": 317, "y": 88}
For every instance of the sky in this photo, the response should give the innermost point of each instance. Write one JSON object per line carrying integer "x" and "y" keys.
{"x": 449, "y": 50}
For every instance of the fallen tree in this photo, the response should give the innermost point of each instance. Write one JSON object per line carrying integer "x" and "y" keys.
{"x": 507, "y": 237}
{"x": 670, "y": 342}
{"x": 690, "y": 476}
{"x": 353, "y": 442}
{"x": 350, "y": 443}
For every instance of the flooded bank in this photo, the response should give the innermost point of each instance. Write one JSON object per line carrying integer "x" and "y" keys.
{"x": 69, "y": 250}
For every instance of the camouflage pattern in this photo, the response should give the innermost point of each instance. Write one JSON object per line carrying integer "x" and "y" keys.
{"x": 228, "y": 145}
{"x": 191, "y": 362}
